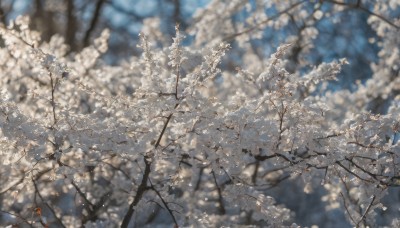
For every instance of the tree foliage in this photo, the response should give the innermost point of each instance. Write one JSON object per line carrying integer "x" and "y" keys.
{"x": 178, "y": 137}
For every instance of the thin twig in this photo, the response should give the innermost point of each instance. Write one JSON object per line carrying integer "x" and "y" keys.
{"x": 221, "y": 203}
{"x": 231, "y": 37}
{"x": 165, "y": 203}
{"x": 45, "y": 203}
{"x": 53, "y": 102}
{"x": 366, "y": 211}
{"x": 354, "y": 174}
{"x": 347, "y": 209}
{"x": 362, "y": 8}
{"x": 18, "y": 216}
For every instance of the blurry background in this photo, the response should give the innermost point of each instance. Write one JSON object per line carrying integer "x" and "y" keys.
{"x": 341, "y": 34}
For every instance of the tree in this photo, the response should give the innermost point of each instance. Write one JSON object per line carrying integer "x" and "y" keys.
{"x": 205, "y": 132}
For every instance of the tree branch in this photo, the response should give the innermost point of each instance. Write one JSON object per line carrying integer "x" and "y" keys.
{"x": 93, "y": 23}
{"x": 231, "y": 37}
{"x": 141, "y": 190}
{"x": 366, "y": 211}
{"x": 362, "y": 8}
{"x": 221, "y": 207}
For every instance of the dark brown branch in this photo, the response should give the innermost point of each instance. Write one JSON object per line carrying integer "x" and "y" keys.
{"x": 197, "y": 187}
{"x": 255, "y": 172}
{"x": 177, "y": 11}
{"x": 71, "y": 25}
{"x": 347, "y": 209}
{"x": 82, "y": 195}
{"x": 47, "y": 205}
{"x": 331, "y": 136}
{"x": 362, "y": 8}
{"x": 351, "y": 172}
{"x": 165, "y": 204}
{"x": 285, "y": 158}
{"x": 119, "y": 169}
{"x": 18, "y": 216}
{"x": 3, "y": 14}
{"x": 277, "y": 182}
{"x": 163, "y": 131}
{"x": 264, "y": 157}
{"x": 93, "y": 216}
{"x": 221, "y": 207}
{"x": 178, "y": 73}
{"x": 231, "y": 37}
{"x": 93, "y": 22}
{"x": 372, "y": 175}
{"x": 141, "y": 190}
{"x": 143, "y": 185}
{"x": 53, "y": 102}
{"x": 362, "y": 145}
{"x": 17, "y": 37}
{"x": 20, "y": 180}
{"x": 378, "y": 16}
{"x": 366, "y": 211}
{"x": 164, "y": 128}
